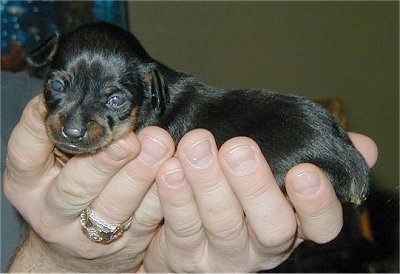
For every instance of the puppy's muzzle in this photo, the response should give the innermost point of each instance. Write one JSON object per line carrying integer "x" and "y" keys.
{"x": 77, "y": 132}
{"x": 74, "y": 135}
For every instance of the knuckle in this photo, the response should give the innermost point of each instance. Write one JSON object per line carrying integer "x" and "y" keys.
{"x": 324, "y": 234}
{"x": 138, "y": 178}
{"x": 192, "y": 230}
{"x": 279, "y": 237}
{"x": 71, "y": 195}
{"x": 87, "y": 251}
{"x": 189, "y": 265}
{"x": 322, "y": 225}
{"x": 258, "y": 191}
{"x": 17, "y": 163}
{"x": 46, "y": 227}
{"x": 7, "y": 189}
{"x": 207, "y": 181}
{"x": 180, "y": 202}
{"x": 191, "y": 244}
{"x": 228, "y": 229}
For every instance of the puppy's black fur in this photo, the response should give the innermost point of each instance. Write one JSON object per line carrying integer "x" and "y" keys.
{"x": 103, "y": 84}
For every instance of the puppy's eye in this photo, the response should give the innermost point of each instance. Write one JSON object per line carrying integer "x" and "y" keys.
{"x": 115, "y": 101}
{"x": 56, "y": 85}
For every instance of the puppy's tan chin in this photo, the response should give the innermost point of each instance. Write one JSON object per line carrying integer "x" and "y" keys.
{"x": 74, "y": 150}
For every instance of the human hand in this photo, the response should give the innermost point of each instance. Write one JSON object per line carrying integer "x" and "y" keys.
{"x": 51, "y": 198}
{"x": 224, "y": 211}
{"x": 115, "y": 182}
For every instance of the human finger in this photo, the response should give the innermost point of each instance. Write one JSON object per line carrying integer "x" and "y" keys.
{"x": 269, "y": 214}
{"x": 125, "y": 191}
{"x": 29, "y": 148}
{"x": 218, "y": 206}
{"x": 318, "y": 210}
{"x": 84, "y": 177}
{"x": 179, "y": 205}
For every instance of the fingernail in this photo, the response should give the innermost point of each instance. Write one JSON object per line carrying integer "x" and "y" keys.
{"x": 200, "y": 154}
{"x": 174, "y": 178}
{"x": 152, "y": 151}
{"x": 307, "y": 183}
{"x": 117, "y": 152}
{"x": 241, "y": 160}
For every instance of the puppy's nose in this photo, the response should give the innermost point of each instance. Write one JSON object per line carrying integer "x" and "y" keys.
{"x": 73, "y": 134}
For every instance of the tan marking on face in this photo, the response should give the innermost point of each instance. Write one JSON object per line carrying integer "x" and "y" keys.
{"x": 110, "y": 90}
{"x": 53, "y": 126}
{"x": 64, "y": 76}
{"x": 127, "y": 126}
{"x": 148, "y": 79}
{"x": 96, "y": 132}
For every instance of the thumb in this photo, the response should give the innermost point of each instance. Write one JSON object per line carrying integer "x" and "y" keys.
{"x": 29, "y": 148}
{"x": 367, "y": 147}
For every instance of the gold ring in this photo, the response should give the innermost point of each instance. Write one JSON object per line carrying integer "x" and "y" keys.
{"x": 99, "y": 230}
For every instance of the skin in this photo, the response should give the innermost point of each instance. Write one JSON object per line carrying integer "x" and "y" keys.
{"x": 222, "y": 209}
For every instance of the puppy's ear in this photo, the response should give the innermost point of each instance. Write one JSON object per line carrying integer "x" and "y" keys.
{"x": 158, "y": 90}
{"x": 44, "y": 53}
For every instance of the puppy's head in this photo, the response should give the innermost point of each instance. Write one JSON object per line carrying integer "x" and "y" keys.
{"x": 100, "y": 77}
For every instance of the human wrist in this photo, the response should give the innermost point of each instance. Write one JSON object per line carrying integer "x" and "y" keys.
{"x": 36, "y": 255}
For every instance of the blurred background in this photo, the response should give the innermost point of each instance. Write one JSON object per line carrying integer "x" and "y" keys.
{"x": 344, "y": 54}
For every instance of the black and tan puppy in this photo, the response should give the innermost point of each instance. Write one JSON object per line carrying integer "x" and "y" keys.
{"x": 102, "y": 84}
